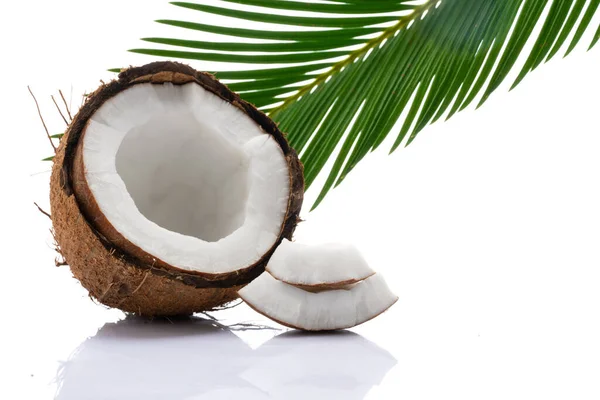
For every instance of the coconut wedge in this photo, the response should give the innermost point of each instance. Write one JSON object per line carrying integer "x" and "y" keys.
{"x": 318, "y": 267}
{"x": 169, "y": 192}
{"x": 326, "y": 310}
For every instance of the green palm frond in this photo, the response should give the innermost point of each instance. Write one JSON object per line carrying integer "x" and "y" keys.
{"x": 345, "y": 82}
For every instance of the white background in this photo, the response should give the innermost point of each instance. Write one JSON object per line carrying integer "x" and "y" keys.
{"x": 487, "y": 227}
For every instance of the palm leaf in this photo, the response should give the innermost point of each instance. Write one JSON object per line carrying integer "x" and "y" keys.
{"x": 344, "y": 83}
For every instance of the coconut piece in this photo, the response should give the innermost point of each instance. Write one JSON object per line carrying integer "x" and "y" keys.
{"x": 318, "y": 267}
{"x": 326, "y": 310}
{"x": 169, "y": 192}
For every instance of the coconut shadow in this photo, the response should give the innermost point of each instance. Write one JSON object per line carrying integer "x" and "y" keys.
{"x": 196, "y": 358}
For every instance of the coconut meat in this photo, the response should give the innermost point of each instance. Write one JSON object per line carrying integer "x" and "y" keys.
{"x": 326, "y": 310}
{"x": 318, "y": 265}
{"x": 186, "y": 176}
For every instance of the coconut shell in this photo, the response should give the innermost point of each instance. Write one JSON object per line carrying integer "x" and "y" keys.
{"x": 319, "y": 287}
{"x": 116, "y": 272}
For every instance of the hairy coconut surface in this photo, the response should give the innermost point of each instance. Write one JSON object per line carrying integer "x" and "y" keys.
{"x": 169, "y": 192}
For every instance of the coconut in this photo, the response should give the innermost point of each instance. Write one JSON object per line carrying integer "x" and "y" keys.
{"x": 318, "y": 267}
{"x": 169, "y": 192}
{"x": 318, "y": 311}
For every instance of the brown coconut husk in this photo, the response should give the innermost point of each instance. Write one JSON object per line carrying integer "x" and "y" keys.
{"x": 116, "y": 272}
{"x": 320, "y": 287}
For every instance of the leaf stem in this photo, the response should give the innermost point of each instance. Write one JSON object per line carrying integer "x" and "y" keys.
{"x": 385, "y": 34}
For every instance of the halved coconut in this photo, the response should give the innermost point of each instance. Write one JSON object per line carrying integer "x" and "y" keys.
{"x": 169, "y": 192}
{"x": 326, "y": 310}
{"x": 318, "y": 267}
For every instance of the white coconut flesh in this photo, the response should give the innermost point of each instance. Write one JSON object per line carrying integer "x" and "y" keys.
{"x": 186, "y": 176}
{"x": 326, "y": 310}
{"x": 323, "y": 265}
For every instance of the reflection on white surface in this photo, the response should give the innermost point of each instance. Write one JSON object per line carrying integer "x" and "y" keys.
{"x": 336, "y": 365}
{"x": 199, "y": 359}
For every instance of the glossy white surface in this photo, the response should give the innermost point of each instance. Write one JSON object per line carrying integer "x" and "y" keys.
{"x": 198, "y": 359}
{"x": 487, "y": 227}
